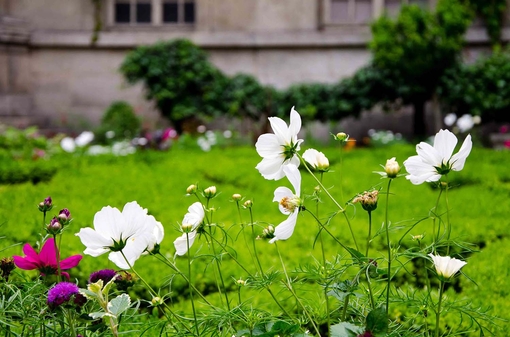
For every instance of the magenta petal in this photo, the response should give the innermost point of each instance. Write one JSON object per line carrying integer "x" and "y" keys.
{"x": 70, "y": 262}
{"x": 30, "y": 253}
{"x": 24, "y": 263}
{"x": 47, "y": 254}
{"x": 66, "y": 275}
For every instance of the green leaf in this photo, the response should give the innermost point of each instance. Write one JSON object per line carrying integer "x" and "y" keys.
{"x": 345, "y": 329}
{"x": 357, "y": 256}
{"x": 119, "y": 304}
{"x": 377, "y": 322}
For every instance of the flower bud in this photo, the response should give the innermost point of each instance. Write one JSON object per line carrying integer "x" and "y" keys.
{"x": 392, "y": 168}
{"x": 156, "y": 301}
{"x": 210, "y": 192}
{"x": 368, "y": 200}
{"x": 192, "y": 189}
{"x": 46, "y": 205}
{"x": 267, "y": 233}
{"x": 248, "y": 204}
{"x": 240, "y": 282}
{"x": 236, "y": 197}
{"x": 64, "y": 217}
{"x": 417, "y": 237}
{"x": 54, "y": 227}
{"x": 186, "y": 227}
{"x": 342, "y": 136}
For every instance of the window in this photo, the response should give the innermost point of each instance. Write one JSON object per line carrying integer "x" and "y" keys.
{"x": 151, "y": 12}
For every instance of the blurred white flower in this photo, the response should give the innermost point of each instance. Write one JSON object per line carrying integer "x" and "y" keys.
{"x": 110, "y": 134}
{"x": 95, "y": 150}
{"x": 201, "y": 128}
{"x": 434, "y": 161}
{"x": 316, "y": 159}
{"x": 446, "y": 266}
{"x": 84, "y": 138}
{"x": 204, "y": 144}
{"x": 68, "y": 144}
{"x": 465, "y": 123}
{"x": 450, "y": 119}
{"x": 227, "y": 134}
{"x": 279, "y": 149}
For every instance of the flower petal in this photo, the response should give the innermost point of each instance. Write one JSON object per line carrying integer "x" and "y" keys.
{"x": 294, "y": 176}
{"x": 96, "y": 243}
{"x": 285, "y": 229}
{"x": 459, "y": 159}
{"x": 267, "y": 145}
{"x": 181, "y": 243}
{"x": 295, "y": 124}
{"x": 25, "y": 263}
{"x": 47, "y": 255}
{"x": 280, "y": 129}
{"x": 271, "y": 168}
{"x": 444, "y": 143}
{"x": 429, "y": 154}
{"x": 70, "y": 262}
{"x": 110, "y": 223}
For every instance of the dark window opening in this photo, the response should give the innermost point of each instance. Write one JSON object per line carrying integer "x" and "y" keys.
{"x": 170, "y": 12}
{"x": 122, "y": 12}
{"x": 189, "y": 12}
{"x": 143, "y": 12}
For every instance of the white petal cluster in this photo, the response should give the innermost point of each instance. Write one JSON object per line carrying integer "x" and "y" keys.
{"x": 446, "y": 266}
{"x": 130, "y": 232}
{"x": 193, "y": 219}
{"x": 434, "y": 161}
{"x": 316, "y": 159}
{"x": 278, "y": 149}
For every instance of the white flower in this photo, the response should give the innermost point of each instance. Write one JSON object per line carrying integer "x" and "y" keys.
{"x": 194, "y": 217}
{"x": 450, "y": 119}
{"x": 465, "y": 123}
{"x": 289, "y": 203}
{"x": 84, "y": 138}
{"x": 130, "y": 233}
{"x": 68, "y": 144}
{"x": 316, "y": 159}
{"x": 279, "y": 149}
{"x": 446, "y": 266}
{"x": 434, "y": 161}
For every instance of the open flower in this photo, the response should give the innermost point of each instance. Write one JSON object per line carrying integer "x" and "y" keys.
{"x": 316, "y": 159}
{"x": 434, "y": 161}
{"x": 279, "y": 149}
{"x": 65, "y": 293}
{"x": 190, "y": 223}
{"x": 289, "y": 203}
{"x": 46, "y": 260}
{"x": 127, "y": 234}
{"x": 446, "y": 266}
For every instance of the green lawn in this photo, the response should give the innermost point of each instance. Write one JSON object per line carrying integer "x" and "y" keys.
{"x": 479, "y": 206}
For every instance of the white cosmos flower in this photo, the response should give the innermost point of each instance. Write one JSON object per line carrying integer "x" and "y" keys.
{"x": 279, "y": 149}
{"x": 289, "y": 203}
{"x": 84, "y": 138}
{"x": 316, "y": 159}
{"x": 192, "y": 220}
{"x": 130, "y": 233}
{"x": 450, "y": 119}
{"x": 434, "y": 161}
{"x": 465, "y": 123}
{"x": 68, "y": 144}
{"x": 446, "y": 266}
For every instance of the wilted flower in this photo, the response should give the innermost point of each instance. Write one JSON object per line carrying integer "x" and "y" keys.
{"x": 193, "y": 218}
{"x": 446, "y": 266}
{"x": 368, "y": 200}
{"x": 289, "y": 203}
{"x": 65, "y": 293}
{"x": 104, "y": 274}
{"x": 434, "y": 161}
{"x": 316, "y": 159}
{"x": 6, "y": 267}
{"x": 45, "y": 261}
{"x": 127, "y": 234}
{"x": 279, "y": 149}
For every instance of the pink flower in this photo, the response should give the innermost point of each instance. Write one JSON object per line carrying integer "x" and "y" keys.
{"x": 46, "y": 260}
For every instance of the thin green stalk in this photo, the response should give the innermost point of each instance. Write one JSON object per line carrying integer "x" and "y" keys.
{"x": 438, "y": 312}
{"x": 369, "y": 284}
{"x": 154, "y": 293}
{"x": 189, "y": 284}
{"x": 57, "y": 256}
{"x": 342, "y": 210}
{"x": 325, "y": 266}
{"x": 448, "y": 224}
{"x": 346, "y": 305}
{"x": 369, "y": 237}
{"x": 254, "y": 245}
{"x": 70, "y": 321}
{"x": 389, "y": 247}
{"x": 327, "y": 231}
{"x": 435, "y": 217}
{"x": 291, "y": 289}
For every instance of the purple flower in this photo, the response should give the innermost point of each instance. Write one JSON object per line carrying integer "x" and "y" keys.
{"x": 64, "y": 216}
{"x": 46, "y": 205}
{"x": 65, "y": 293}
{"x": 105, "y": 274}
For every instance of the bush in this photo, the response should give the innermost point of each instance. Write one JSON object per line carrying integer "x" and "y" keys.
{"x": 120, "y": 119}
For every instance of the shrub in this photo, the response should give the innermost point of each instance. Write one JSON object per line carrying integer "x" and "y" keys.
{"x": 119, "y": 118}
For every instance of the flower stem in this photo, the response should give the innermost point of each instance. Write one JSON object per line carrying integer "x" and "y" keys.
{"x": 448, "y": 224}
{"x": 438, "y": 312}
{"x": 389, "y": 247}
{"x": 324, "y": 263}
{"x": 189, "y": 285}
{"x": 288, "y": 284}
{"x": 57, "y": 257}
{"x": 218, "y": 268}
{"x": 436, "y": 238}
{"x": 369, "y": 237}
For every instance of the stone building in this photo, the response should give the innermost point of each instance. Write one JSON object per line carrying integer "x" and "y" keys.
{"x": 52, "y": 74}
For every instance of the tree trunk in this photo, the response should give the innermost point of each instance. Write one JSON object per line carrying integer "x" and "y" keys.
{"x": 419, "y": 128}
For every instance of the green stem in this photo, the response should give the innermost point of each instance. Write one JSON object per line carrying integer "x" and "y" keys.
{"x": 346, "y": 304}
{"x": 57, "y": 256}
{"x": 389, "y": 247}
{"x": 291, "y": 289}
{"x": 342, "y": 210}
{"x": 369, "y": 284}
{"x": 254, "y": 245}
{"x": 369, "y": 237}
{"x": 327, "y": 231}
{"x": 325, "y": 266}
{"x": 448, "y": 224}
{"x": 189, "y": 285}
{"x": 438, "y": 312}
{"x": 435, "y": 217}
{"x": 218, "y": 269}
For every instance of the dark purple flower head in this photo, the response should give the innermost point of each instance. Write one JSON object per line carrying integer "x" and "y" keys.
{"x": 64, "y": 216}
{"x": 105, "y": 274}
{"x": 65, "y": 293}
{"x": 46, "y": 205}
{"x": 54, "y": 227}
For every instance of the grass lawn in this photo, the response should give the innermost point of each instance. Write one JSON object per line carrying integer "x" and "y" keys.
{"x": 479, "y": 211}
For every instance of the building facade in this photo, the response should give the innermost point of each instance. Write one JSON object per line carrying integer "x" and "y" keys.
{"x": 53, "y": 74}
